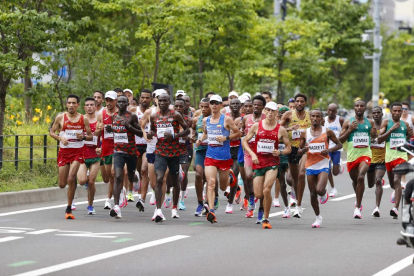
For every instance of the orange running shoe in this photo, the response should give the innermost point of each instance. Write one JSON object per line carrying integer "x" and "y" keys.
{"x": 266, "y": 224}
{"x": 245, "y": 205}
{"x": 238, "y": 196}
{"x": 69, "y": 216}
{"x": 211, "y": 217}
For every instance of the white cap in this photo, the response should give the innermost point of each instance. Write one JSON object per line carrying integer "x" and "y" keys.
{"x": 271, "y": 105}
{"x": 180, "y": 92}
{"x": 243, "y": 99}
{"x": 111, "y": 94}
{"x": 216, "y": 98}
{"x": 159, "y": 92}
{"x": 128, "y": 90}
{"x": 233, "y": 93}
{"x": 247, "y": 94}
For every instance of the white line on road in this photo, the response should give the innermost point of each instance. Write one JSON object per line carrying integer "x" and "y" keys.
{"x": 398, "y": 266}
{"x": 6, "y": 239}
{"x": 44, "y": 231}
{"x": 352, "y": 195}
{"x": 102, "y": 256}
{"x": 279, "y": 213}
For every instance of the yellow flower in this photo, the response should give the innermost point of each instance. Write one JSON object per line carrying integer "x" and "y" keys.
{"x": 19, "y": 123}
{"x": 37, "y": 110}
{"x": 18, "y": 115}
{"x": 40, "y": 113}
{"x": 48, "y": 107}
{"x": 11, "y": 117}
{"x": 35, "y": 119}
{"x": 48, "y": 120}
{"x": 12, "y": 106}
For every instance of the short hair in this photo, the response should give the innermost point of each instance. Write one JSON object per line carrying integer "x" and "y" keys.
{"x": 180, "y": 99}
{"x": 89, "y": 99}
{"x": 210, "y": 93}
{"x": 136, "y": 99}
{"x": 100, "y": 92}
{"x": 73, "y": 96}
{"x": 377, "y": 107}
{"x": 205, "y": 100}
{"x": 281, "y": 103}
{"x": 317, "y": 109}
{"x": 302, "y": 96}
{"x": 225, "y": 98}
{"x": 248, "y": 101}
{"x": 406, "y": 103}
{"x": 145, "y": 90}
{"x": 267, "y": 93}
{"x": 396, "y": 104}
{"x": 260, "y": 98}
{"x": 119, "y": 90}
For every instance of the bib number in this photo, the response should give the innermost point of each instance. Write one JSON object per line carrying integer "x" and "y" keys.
{"x": 205, "y": 142}
{"x": 120, "y": 138}
{"x": 282, "y": 147}
{"x": 162, "y": 130}
{"x": 395, "y": 142}
{"x": 94, "y": 142}
{"x": 263, "y": 147}
{"x": 108, "y": 134}
{"x": 375, "y": 145}
{"x": 212, "y": 140}
{"x": 316, "y": 147}
{"x": 296, "y": 134}
{"x": 70, "y": 134}
{"x": 361, "y": 141}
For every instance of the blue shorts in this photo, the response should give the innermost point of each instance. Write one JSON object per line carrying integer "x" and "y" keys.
{"x": 151, "y": 158}
{"x": 240, "y": 156}
{"x": 316, "y": 172}
{"x": 335, "y": 157}
{"x": 200, "y": 156}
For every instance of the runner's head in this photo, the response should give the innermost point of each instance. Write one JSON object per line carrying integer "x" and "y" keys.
{"x": 235, "y": 105}
{"x": 216, "y": 103}
{"x": 145, "y": 98}
{"x": 179, "y": 105}
{"x": 233, "y": 95}
{"x": 99, "y": 97}
{"x": 267, "y": 95}
{"x": 291, "y": 104}
{"x": 128, "y": 93}
{"x": 271, "y": 111}
{"x": 377, "y": 114}
{"x": 187, "y": 102}
{"x": 90, "y": 105}
{"x": 396, "y": 111}
{"x": 122, "y": 103}
{"x": 72, "y": 103}
{"x": 164, "y": 101}
{"x": 316, "y": 117}
{"x": 110, "y": 100}
{"x": 405, "y": 107}
{"x": 332, "y": 111}
{"x": 283, "y": 110}
{"x": 258, "y": 104}
{"x": 226, "y": 101}
{"x": 248, "y": 107}
{"x": 359, "y": 108}
{"x": 119, "y": 92}
{"x": 300, "y": 101}
{"x": 205, "y": 107}
{"x": 209, "y": 94}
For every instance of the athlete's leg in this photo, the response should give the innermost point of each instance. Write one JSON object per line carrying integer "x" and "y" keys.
{"x": 301, "y": 180}
{"x": 360, "y": 187}
{"x": 269, "y": 179}
{"x": 379, "y": 175}
{"x": 73, "y": 170}
{"x": 199, "y": 182}
{"x": 119, "y": 164}
{"x": 144, "y": 177}
{"x": 160, "y": 167}
{"x": 109, "y": 173}
{"x": 395, "y": 183}
{"x": 93, "y": 173}
{"x": 283, "y": 187}
{"x": 293, "y": 174}
{"x": 312, "y": 180}
{"x": 63, "y": 175}
{"x": 233, "y": 189}
{"x": 82, "y": 175}
{"x": 104, "y": 174}
{"x": 224, "y": 179}
{"x": 211, "y": 173}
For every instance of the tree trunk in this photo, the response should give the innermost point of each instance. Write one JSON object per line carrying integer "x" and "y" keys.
{"x": 157, "y": 58}
{"x": 280, "y": 94}
{"x": 27, "y": 98}
{"x": 231, "y": 81}
{"x": 200, "y": 77}
{"x": 3, "y": 92}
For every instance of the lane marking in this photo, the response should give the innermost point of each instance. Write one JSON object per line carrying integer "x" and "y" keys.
{"x": 61, "y": 206}
{"x": 109, "y": 235}
{"x": 99, "y": 257}
{"x": 123, "y": 240}
{"x": 44, "y": 231}
{"x": 196, "y": 223}
{"x": 21, "y": 263}
{"x": 6, "y": 239}
{"x": 398, "y": 266}
{"x": 281, "y": 213}
{"x": 352, "y": 195}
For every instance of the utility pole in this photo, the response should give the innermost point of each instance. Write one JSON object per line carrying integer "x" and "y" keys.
{"x": 377, "y": 54}
{"x": 276, "y": 8}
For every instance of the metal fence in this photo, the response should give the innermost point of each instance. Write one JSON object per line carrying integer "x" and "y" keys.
{"x": 18, "y": 147}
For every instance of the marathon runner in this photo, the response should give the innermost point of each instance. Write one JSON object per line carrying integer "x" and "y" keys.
{"x": 99, "y": 97}
{"x": 316, "y": 141}
{"x": 188, "y": 114}
{"x": 265, "y": 157}
{"x": 71, "y": 126}
{"x": 267, "y": 95}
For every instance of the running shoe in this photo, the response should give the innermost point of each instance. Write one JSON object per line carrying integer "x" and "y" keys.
{"x": 199, "y": 210}
{"x": 357, "y": 213}
{"x": 73, "y": 207}
{"x": 394, "y": 213}
{"x": 174, "y": 213}
{"x": 211, "y": 217}
{"x": 229, "y": 208}
{"x": 318, "y": 222}
{"x": 186, "y": 193}
{"x": 130, "y": 197}
{"x": 159, "y": 217}
{"x": 323, "y": 199}
{"x": 91, "y": 210}
{"x": 259, "y": 217}
{"x": 237, "y": 198}
{"x": 167, "y": 201}
{"x": 276, "y": 202}
{"x": 216, "y": 203}
{"x": 136, "y": 183}
{"x": 123, "y": 201}
{"x": 245, "y": 205}
{"x": 360, "y": 209}
{"x": 286, "y": 213}
{"x": 108, "y": 204}
{"x": 206, "y": 210}
{"x": 141, "y": 205}
{"x": 69, "y": 216}
{"x": 153, "y": 201}
{"x": 252, "y": 203}
{"x": 266, "y": 224}
{"x": 181, "y": 205}
{"x": 116, "y": 212}
{"x": 293, "y": 201}
{"x": 376, "y": 213}
{"x": 333, "y": 192}
{"x": 233, "y": 178}
{"x": 155, "y": 214}
{"x": 249, "y": 214}
{"x": 298, "y": 212}
{"x": 86, "y": 185}
{"x": 392, "y": 198}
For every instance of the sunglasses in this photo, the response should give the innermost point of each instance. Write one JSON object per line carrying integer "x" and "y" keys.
{"x": 404, "y": 108}
{"x": 292, "y": 100}
{"x": 215, "y": 103}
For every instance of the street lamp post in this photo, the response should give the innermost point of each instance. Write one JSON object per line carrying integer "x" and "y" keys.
{"x": 377, "y": 54}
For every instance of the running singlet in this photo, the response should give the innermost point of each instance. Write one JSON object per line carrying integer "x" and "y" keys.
{"x": 69, "y": 131}
{"x": 315, "y": 160}
{"x": 181, "y": 141}
{"x": 153, "y": 143}
{"x": 107, "y": 137}
{"x": 378, "y": 150}
{"x": 167, "y": 125}
{"x": 234, "y": 142}
{"x": 266, "y": 141}
{"x": 124, "y": 140}
{"x": 249, "y": 124}
{"x": 359, "y": 141}
{"x": 294, "y": 135}
{"x": 217, "y": 150}
{"x": 396, "y": 138}
{"x": 90, "y": 146}
{"x": 336, "y": 127}
{"x": 200, "y": 131}
{"x": 140, "y": 140}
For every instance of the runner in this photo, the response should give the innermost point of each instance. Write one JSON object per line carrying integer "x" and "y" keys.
{"x": 409, "y": 121}
{"x": 298, "y": 120}
{"x": 316, "y": 141}
{"x": 166, "y": 123}
{"x": 99, "y": 97}
{"x": 292, "y": 104}
{"x": 395, "y": 132}
{"x": 232, "y": 95}
{"x": 358, "y": 131}
{"x": 376, "y": 170}
{"x": 334, "y": 123}
{"x": 92, "y": 160}
{"x": 130, "y": 95}
{"x": 71, "y": 126}
{"x": 265, "y": 157}
{"x": 217, "y": 129}
{"x": 267, "y": 95}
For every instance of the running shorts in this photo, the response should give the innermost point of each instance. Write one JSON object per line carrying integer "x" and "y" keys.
{"x": 222, "y": 165}
{"x": 151, "y": 158}
{"x": 293, "y": 157}
{"x": 184, "y": 159}
{"x": 376, "y": 166}
{"x": 162, "y": 162}
{"x": 391, "y": 165}
{"x": 67, "y": 156}
{"x": 234, "y": 152}
{"x": 263, "y": 171}
{"x": 359, "y": 160}
{"x": 335, "y": 157}
{"x": 121, "y": 158}
{"x": 141, "y": 149}
{"x": 200, "y": 156}
{"x": 316, "y": 172}
{"x": 107, "y": 160}
{"x": 89, "y": 162}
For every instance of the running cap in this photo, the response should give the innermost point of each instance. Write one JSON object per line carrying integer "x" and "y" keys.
{"x": 111, "y": 94}
{"x": 128, "y": 90}
{"x": 246, "y": 94}
{"x": 271, "y": 105}
{"x": 284, "y": 108}
{"x": 158, "y": 92}
{"x": 233, "y": 93}
{"x": 243, "y": 99}
{"x": 180, "y": 92}
{"x": 216, "y": 98}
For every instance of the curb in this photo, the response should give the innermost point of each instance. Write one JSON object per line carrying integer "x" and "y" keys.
{"x": 12, "y": 199}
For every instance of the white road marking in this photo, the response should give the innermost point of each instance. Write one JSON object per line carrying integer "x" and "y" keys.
{"x": 6, "y": 239}
{"x": 281, "y": 213}
{"x": 59, "y": 206}
{"x": 14, "y": 230}
{"x": 44, "y": 231}
{"x": 398, "y": 266}
{"x": 109, "y": 235}
{"x": 102, "y": 256}
{"x": 352, "y": 195}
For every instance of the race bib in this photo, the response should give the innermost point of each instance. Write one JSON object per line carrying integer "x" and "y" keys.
{"x": 361, "y": 141}
{"x": 121, "y": 138}
{"x": 316, "y": 147}
{"x": 375, "y": 145}
{"x": 263, "y": 147}
{"x": 296, "y": 134}
{"x": 108, "y": 134}
{"x": 282, "y": 147}
{"x": 94, "y": 142}
{"x": 212, "y": 140}
{"x": 162, "y": 130}
{"x": 70, "y": 134}
{"x": 181, "y": 140}
{"x": 200, "y": 135}
{"x": 395, "y": 142}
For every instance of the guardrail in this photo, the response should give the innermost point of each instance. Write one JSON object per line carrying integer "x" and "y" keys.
{"x": 31, "y": 148}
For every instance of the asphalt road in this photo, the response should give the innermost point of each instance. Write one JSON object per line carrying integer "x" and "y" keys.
{"x": 40, "y": 241}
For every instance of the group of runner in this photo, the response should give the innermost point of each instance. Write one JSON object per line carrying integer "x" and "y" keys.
{"x": 241, "y": 144}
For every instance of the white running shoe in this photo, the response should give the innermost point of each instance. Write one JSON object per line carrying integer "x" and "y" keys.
{"x": 376, "y": 213}
{"x": 167, "y": 201}
{"x": 357, "y": 214}
{"x": 293, "y": 201}
{"x": 392, "y": 198}
{"x": 276, "y": 202}
{"x": 229, "y": 208}
{"x": 108, "y": 204}
{"x": 152, "y": 200}
{"x": 174, "y": 213}
{"x": 286, "y": 213}
{"x": 298, "y": 212}
{"x": 73, "y": 207}
{"x": 394, "y": 213}
{"x": 318, "y": 222}
{"x": 159, "y": 216}
{"x": 155, "y": 214}
{"x": 115, "y": 212}
{"x": 123, "y": 201}
{"x": 333, "y": 192}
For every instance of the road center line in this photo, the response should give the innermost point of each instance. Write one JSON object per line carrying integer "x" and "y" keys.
{"x": 398, "y": 266}
{"x": 6, "y": 239}
{"x": 99, "y": 257}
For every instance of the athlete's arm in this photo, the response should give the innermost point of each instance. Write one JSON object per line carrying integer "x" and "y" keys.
{"x": 228, "y": 123}
{"x": 134, "y": 126}
{"x": 99, "y": 125}
{"x": 245, "y": 144}
{"x": 331, "y": 136}
{"x": 303, "y": 148}
{"x": 286, "y": 118}
{"x": 373, "y": 129}
{"x": 347, "y": 128}
{"x": 89, "y": 135}
{"x": 341, "y": 121}
{"x": 204, "y": 136}
{"x": 182, "y": 123}
{"x": 193, "y": 130}
{"x": 57, "y": 127}
{"x": 144, "y": 120}
{"x": 283, "y": 136}
{"x": 383, "y": 131}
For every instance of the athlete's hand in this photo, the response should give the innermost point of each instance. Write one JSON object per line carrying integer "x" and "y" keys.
{"x": 64, "y": 141}
{"x": 168, "y": 136}
{"x": 98, "y": 151}
{"x": 325, "y": 152}
{"x": 220, "y": 139}
{"x": 108, "y": 128}
{"x": 409, "y": 132}
{"x": 395, "y": 126}
{"x": 198, "y": 143}
{"x": 353, "y": 126}
{"x": 192, "y": 140}
{"x": 303, "y": 150}
{"x": 124, "y": 122}
{"x": 255, "y": 159}
{"x": 79, "y": 136}
{"x": 149, "y": 136}
{"x": 276, "y": 152}
{"x": 295, "y": 127}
